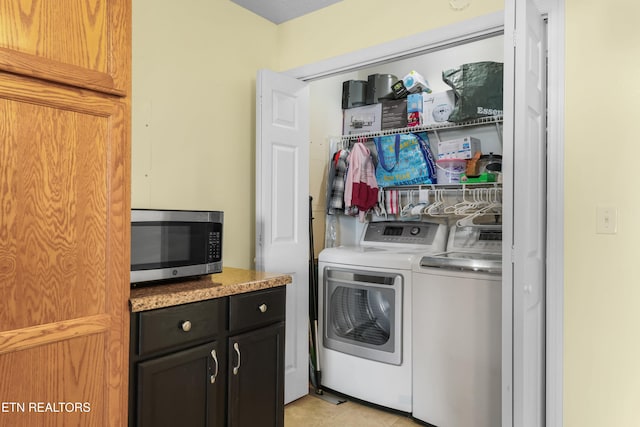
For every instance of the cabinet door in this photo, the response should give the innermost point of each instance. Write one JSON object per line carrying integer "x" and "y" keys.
{"x": 256, "y": 378}
{"x": 64, "y": 209}
{"x": 184, "y": 389}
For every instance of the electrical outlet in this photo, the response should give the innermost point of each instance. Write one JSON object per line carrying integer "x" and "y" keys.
{"x": 606, "y": 220}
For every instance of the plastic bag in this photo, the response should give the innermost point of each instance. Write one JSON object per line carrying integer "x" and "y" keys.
{"x": 404, "y": 159}
{"x": 478, "y": 89}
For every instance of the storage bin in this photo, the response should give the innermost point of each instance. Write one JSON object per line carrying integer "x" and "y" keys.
{"x": 449, "y": 170}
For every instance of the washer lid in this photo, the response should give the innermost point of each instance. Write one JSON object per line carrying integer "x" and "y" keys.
{"x": 477, "y": 239}
{"x": 464, "y": 261}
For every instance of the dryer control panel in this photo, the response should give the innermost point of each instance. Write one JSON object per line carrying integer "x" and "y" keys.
{"x": 403, "y": 233}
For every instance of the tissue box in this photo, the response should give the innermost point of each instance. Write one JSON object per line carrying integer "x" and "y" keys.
{"x": 394, "y": 113}
{"x": 437, "y": 107}
{"x": 367, "y": 118}
{"x": 415, "y": 83}
{"x": 414, "y": 110}
{"x": 463, "y": 148}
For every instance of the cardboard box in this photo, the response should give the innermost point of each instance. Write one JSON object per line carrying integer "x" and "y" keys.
{"x": 414, "y": 109}
{"x": 394, "y": 113}
{"x": 437, "y": 107}
{"x": 463, "y": 148}
{"x": 367, "y": 118}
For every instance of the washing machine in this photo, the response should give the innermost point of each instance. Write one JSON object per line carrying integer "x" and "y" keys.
{"x": 457, "y": 331}
{"x": 364, "y": 311}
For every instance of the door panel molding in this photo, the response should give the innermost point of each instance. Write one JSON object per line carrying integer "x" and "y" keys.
{"x": 58, "y": 72}
{"x": 34, "y": 336}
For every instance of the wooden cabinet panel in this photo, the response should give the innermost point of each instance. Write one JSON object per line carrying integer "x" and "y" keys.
{"x": 75, "y": 33}
{"x": 54, "y": 164}
{"x": 53, "y": 385}
{"x": 64, "y": 244}
{"x": 84, "y": 43}
{"x": 64, "y": 210}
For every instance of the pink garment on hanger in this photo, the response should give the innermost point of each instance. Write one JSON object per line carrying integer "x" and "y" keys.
{"x": 361, "y": 189}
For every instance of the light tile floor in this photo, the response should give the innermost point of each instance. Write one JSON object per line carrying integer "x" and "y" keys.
{"x": 311, "y": 411}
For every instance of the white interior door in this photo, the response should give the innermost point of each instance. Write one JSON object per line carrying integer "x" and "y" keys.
{"x": 282, "y": 208}
{"x": 525, "y": 223}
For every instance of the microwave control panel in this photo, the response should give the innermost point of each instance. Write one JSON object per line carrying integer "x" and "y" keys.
{"x": 215, "y": 246}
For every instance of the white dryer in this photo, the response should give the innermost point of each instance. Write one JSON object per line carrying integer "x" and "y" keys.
{"x": 457, "y": 331}
{"x": 364, "y": 311}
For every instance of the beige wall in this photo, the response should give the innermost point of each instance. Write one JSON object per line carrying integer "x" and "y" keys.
{"x": 193, "y": 135}
{"x": 356, "y": 24}
{"x": 602, "y": 287}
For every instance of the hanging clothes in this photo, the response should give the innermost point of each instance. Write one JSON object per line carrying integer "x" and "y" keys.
{"x": 361, "y": 187}
{"x": 337, "y": 175}
{"x": 392, "y": 203}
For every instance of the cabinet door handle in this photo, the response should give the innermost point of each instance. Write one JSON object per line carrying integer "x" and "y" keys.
{"x": 263, "y": 308}
{"x": 186, "y": 326}
{"x": 237, "y": 367}
{"x": 214, "y": 356}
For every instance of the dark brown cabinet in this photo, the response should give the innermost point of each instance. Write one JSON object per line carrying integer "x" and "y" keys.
{"x": 256, "y": 389}
{"x": 256, "y": 359}
{"x": 218, "y": 363}
{"x": 180, "y": 389}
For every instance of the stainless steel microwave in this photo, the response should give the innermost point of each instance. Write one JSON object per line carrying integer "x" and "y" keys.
{"x": 170, "y": 244}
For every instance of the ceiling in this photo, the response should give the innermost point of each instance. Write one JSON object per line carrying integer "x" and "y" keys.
{"x": 279, "y": 11}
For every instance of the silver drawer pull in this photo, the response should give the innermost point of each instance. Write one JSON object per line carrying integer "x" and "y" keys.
{"x": 263, "y": 308}
{"x": 186, "y": 326}
{"x": 214, "y": 356}
{"x": 237, "y": 367}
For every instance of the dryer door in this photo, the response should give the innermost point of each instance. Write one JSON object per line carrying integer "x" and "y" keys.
{"x": 363, "y": 314}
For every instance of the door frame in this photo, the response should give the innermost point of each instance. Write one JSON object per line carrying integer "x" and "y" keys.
{"x": 479, "y": 28}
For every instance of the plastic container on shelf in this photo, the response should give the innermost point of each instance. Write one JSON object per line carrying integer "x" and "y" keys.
{"x": 449, "y": 170}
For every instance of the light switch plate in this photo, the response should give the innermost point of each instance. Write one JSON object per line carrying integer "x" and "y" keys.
{"x": 606, "y": 220}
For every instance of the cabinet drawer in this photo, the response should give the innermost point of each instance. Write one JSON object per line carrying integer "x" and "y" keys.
{"x": 257, "y": 308}
{"x": 180, "y": 325}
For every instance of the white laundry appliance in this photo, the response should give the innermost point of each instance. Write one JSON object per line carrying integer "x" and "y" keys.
{"x": 364, "y": 323}
{"x": 457, "y": 331}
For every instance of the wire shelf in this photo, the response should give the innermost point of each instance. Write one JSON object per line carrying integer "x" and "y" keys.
{"x": 425, "y": 128}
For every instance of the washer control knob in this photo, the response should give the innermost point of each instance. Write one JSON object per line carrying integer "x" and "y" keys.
{"x": 415, "y": 231}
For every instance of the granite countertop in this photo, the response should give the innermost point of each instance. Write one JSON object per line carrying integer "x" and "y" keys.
{"x": 231, "y": 281}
